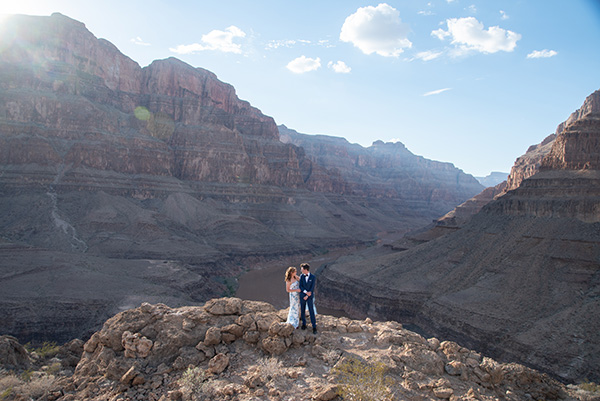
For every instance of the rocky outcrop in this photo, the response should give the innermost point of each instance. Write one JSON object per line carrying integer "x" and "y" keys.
{"x": 578, "y": 141}
{"x": 243, "y": 350}
{"x": 12, "y": 354}
{"x": 517, "y": 281}
{"x": 529, "y": 164}
{"x": 463, "y": 212}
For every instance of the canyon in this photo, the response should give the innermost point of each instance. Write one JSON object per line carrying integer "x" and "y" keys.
{"x": 513, "y": 273}
{"x": 121, "y": 184}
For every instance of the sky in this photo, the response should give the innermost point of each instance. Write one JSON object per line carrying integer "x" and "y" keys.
{"x": 469, "y": 82}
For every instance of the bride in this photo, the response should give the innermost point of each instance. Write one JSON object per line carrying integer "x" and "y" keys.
{"x": 293, "y": 288}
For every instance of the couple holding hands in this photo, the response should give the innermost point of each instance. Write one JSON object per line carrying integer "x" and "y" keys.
{"x": 302, "y": 291}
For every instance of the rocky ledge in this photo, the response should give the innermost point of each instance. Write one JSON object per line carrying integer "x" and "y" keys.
{"x": 230, "y": 349}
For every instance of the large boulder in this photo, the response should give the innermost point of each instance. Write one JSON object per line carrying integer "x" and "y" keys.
{"x": 12, "y": 354}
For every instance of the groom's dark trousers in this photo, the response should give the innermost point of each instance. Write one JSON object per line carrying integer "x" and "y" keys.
{"x": 309, "y": 287}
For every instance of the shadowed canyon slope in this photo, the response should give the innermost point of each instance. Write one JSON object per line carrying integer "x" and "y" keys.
{"x": 520, "y": 280}
{"x": 121, "y": 184}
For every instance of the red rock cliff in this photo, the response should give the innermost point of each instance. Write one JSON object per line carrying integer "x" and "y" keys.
{"x": 88, "y": 105}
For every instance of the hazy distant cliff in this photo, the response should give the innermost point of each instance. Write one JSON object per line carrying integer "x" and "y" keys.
{"x": 388, "y": 170}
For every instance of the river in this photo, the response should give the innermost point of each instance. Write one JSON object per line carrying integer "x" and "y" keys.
{"x": 267, "y": 283}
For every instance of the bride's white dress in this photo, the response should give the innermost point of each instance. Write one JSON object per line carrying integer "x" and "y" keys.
{"x": 294, "y": 313}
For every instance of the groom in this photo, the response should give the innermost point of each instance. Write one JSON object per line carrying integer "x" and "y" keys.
{"x": 307, "y": 289}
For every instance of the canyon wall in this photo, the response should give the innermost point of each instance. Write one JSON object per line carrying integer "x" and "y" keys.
{"x": 388, "y": 171}
{"x": 121, "y": 184}
{"x": 518, "y": 281}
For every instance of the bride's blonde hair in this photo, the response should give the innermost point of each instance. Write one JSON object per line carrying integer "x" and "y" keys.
{"x": 289, "y": 273}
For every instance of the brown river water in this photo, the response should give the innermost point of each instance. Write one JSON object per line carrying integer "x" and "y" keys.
{"x": 267, "y": 282}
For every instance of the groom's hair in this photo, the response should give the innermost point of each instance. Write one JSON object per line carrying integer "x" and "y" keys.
{"x": 305, "y": 266}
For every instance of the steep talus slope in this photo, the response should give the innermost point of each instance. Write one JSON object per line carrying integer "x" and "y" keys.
{"x": 519, "y": 281}
{"x": 120, "y": 183}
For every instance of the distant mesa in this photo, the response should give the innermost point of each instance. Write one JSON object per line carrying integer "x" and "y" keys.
{"x": 492, "y": 179}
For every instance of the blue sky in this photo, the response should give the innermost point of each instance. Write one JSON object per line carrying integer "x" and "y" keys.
{"x": 470, "y": 82}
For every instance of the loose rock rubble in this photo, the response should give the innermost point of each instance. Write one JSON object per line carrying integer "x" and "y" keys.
{"x": 231, "y": 349}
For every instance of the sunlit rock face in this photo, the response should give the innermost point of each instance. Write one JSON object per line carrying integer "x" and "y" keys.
{"x": 88, "y": 105}
{"x": 578, "y": 139}
{"x": 517, "y": 280}
{"x": 121, "y": 184}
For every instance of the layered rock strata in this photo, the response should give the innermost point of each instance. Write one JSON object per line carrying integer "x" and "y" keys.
{"x": 120, "y": 183}
{"x": 388, "y": 171}
{"x": 518, "y": 281}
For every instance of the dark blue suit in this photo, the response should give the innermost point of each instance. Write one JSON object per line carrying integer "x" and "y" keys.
{"x": 308, "y": 287}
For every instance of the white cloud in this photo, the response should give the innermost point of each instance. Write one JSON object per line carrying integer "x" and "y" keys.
{"x": 139, "y": 41}
{"x": 469, "y": 34}
{"x": 376, "y": 30}
{"x": 428, "y": 10}
{"x": 215, "y": 40}
{"x": 325, "y": 43}
{"x": 503, "y": 15}
{"x": 304, "y": 64}
{"x": 436, "y": 92}
{"x": 472, "y": 9}
{"x": 340, "y": 67}
{"x": 542, "y": 53}
{"x": 428, "y": 55}
{"x": 440, "y": 34}
{"x": 275, "y": 44}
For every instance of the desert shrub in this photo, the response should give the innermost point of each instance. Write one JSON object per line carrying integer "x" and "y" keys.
{"x": 331, "y": 356}
{"x": 6, "y": 393}
{"x": 30, "y": 386}
{"x": 362, "y": 381}
{"x": 195, "y": 383}
{"x": 590, "y": 386}
{"x": 37, "y": 386}
{"x": 27, "y": 375}
{"x": 7, "y": 385}
{"x": 270, "y": 367}
{"x": 54, "y": 368}
{"x": 48, "y": 349}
